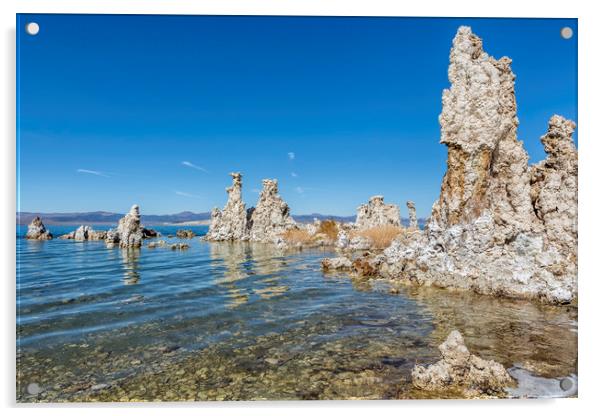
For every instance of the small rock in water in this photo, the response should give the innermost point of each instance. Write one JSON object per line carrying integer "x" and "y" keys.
{"x": 169, "y": 348}
{"x": 336, "y": 263}
{"x": 185, "y": 234}
{"x": 272, "y": 361}
{"x": 460, "y": 369}
{"x": 37, "y": 231}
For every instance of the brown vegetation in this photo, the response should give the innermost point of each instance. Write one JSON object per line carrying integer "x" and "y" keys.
{"x": 295, "y": 236}
{"x": 329, "y": 228}
{"x": 381, "y": 236}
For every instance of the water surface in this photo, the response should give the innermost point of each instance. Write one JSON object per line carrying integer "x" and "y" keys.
{"x": 242, "y": 321}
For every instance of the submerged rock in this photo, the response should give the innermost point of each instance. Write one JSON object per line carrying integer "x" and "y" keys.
{"x": 230, "y": 224}
{"x": 84, "y": 233}
{"x": 460, "y": 369}
{"x": 376, "y": 213}
{"x": 499, "y": 226}
{"x": 155, "y": 244}
{"x": 37, "y": 231}
{"x": 129, "y": 231}
{"x": 150, "y": 233}
{"x": 271, "y": 217}
{"x": 185, "y": 234}
{"x": 336, "y": 263}
{"x": 180, "y": 246}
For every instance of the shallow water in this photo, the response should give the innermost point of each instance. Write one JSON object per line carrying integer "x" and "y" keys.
{"x": 243, "y": 322}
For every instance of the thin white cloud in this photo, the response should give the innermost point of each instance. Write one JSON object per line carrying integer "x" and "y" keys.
{"x": 193, "y": 166}
{"x": 256, "y": 191}
{"x": 299, "y": 190}
{"x": 186, "y": 194}
{"x": 294, "y": 175}
{"x": 92, "y": 172}
{"x": 291, "y": 155}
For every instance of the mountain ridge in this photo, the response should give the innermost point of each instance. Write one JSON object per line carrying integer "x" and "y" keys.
{"x": 106, "y": 217}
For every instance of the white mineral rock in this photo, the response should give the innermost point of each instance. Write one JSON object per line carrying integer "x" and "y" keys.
{"x": 37, "y": 231}
{"x": 412, "y": 214}
{"x": 129, "y": 232}
{"x": 376, "y": 213}
{"x": 458, "y": 368}
{"x": 271, "y": 217}
{"x": 230, "y": 223}
{"x": 499, "y": 226}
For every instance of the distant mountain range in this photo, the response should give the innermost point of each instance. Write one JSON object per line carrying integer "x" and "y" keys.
{"x": 103, "y": 217}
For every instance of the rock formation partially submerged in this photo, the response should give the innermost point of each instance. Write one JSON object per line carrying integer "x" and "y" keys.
{"x": 185, "y": 234}
{"x": 85, "y": 233}
{"x": 129, "y": 232}
{"x": 336, "y": 263}
{"x": 37, "y": 231}
{"x": 500, "y": 226}
{"x": 264, "y": 223}
{"x": 376, "y": 213}
{"x": 459, "y": 369}
{"x": 271, "y": 217}
{"x": 230, "y": 224}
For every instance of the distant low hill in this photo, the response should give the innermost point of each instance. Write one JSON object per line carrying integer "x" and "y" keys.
{"x": 103, "y": 217}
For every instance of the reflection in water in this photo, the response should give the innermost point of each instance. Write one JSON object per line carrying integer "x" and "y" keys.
{"x": 537, "y": 337}
{"x": 130, "y": 261}
{"x": 236, "y": 262}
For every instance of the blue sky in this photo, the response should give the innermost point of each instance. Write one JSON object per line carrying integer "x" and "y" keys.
{"x": 157, "y": 110}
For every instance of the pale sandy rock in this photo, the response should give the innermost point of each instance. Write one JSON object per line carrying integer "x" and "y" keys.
{"x": 360, "y": 243}
{"x": 37, "y": 231}
{"x": 271, "y": 217}
{"x": 459, "y": 369}
{"x": 336, "y": 263}
{"x": 230, "y": 224}
{"x": 376, "y": 213}
{"x": 554, "y": 191}
{"x": 412, "y": 214}
{"x": 158, "y": 243}
{"x": 499, "y": 227}
{"x": 85, "y": 233}
{"x": 129, "y": 232}
{"x": 179, "y": 246}
{"x": 343, "y": 240}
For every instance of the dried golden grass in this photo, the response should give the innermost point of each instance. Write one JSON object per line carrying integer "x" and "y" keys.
{"x": 330, "y": 228}
{"x": 296, "y": 236}
{"x": 381, "y": 236}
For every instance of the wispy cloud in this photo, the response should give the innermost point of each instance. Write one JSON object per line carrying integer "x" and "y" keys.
{"x": 291, "y": 155}
{"x": 92, "y": 172}
{"x": 186, "y": 194}
{"x": 256, "y": 191}
{"x": 294, "y": 175}
{"x": 300, "y": 190}
{"x": 193, "y": 166}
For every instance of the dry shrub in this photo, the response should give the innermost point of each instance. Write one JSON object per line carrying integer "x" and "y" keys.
{"x": 381, "y": 236}
{"x": 295, "y": 236}
{"x": 330, "y": 228}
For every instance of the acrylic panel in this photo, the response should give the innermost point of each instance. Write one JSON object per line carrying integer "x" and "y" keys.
{"x": 295, "y": 208}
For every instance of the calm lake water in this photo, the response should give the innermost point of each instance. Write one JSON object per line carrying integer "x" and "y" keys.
{"x": 241, "y": 321}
